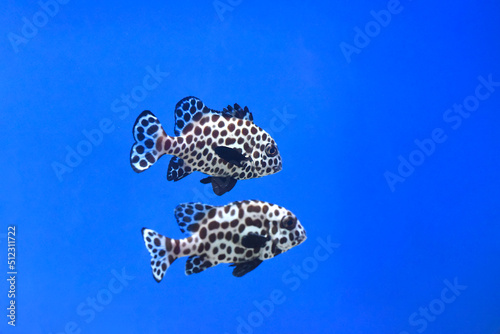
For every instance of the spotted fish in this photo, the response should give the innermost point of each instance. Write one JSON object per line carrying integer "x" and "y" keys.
{"x": 226, "y": 145}
{"x": 242, "y": 233}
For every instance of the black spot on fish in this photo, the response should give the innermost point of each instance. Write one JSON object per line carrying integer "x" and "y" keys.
{"x": 199, "y": 216}
{"x": 152, "y": 129}
{"x": 197, "y": 116}
{"x": 213, "y": 225}
{"x": 150, "y": 157}
{"x": 203, "y": 233}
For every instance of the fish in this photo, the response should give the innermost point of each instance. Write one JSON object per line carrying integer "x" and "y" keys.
{"x": 226, "y": 145}
{"x": 243, "y": 233}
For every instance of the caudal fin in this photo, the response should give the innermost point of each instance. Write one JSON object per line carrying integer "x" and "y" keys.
{"x": 159, "y": 248}
{"x": 149, "y": 137}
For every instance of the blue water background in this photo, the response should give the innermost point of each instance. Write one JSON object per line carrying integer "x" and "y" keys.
{"x": 342, "y": 123}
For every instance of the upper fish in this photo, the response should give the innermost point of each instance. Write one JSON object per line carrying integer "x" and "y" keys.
{"x": 226, "y": 145}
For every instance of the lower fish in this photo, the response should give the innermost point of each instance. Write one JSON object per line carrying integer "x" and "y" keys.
{"x": 243, "y": 234}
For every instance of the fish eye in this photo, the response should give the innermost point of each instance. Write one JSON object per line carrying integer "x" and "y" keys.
{"x": 271, "y": 150}
{"x": 288, "y": 222}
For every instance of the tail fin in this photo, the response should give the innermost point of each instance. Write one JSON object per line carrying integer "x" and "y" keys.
{"x": 149, "y": 137}
{"x": 159, "y": 248}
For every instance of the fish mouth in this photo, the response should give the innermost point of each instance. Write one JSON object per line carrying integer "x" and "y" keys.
{"x": 277, "y": 168}
{"x": 303, "y": 238}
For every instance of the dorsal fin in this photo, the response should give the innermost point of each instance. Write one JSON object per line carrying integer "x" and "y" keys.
{"x": 188, "y": 216}
{"x": 191, "y": 109}
{"x": 187, "y": 110}
{"x": 238, "y": 112}
{"x": 254, "y": 240}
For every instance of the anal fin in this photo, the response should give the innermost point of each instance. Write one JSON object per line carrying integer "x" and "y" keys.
{"x": 177, "y": 169}
{"x": 196, "y": 264}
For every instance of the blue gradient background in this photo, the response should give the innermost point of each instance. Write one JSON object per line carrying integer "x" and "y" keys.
{"x": 350, "y": 123}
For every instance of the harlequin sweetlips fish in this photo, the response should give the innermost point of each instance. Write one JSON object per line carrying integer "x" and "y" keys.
{"x": 226, "y": 145}
{"x": 241, "y": 233}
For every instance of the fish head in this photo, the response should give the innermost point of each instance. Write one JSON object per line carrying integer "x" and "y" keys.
{"x": 266, "y": 156}
{"x": 290, "y": 232}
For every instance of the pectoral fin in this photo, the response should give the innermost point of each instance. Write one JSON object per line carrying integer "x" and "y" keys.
{"x": 254, "y": 240}
{"x": 230, "y": 155}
